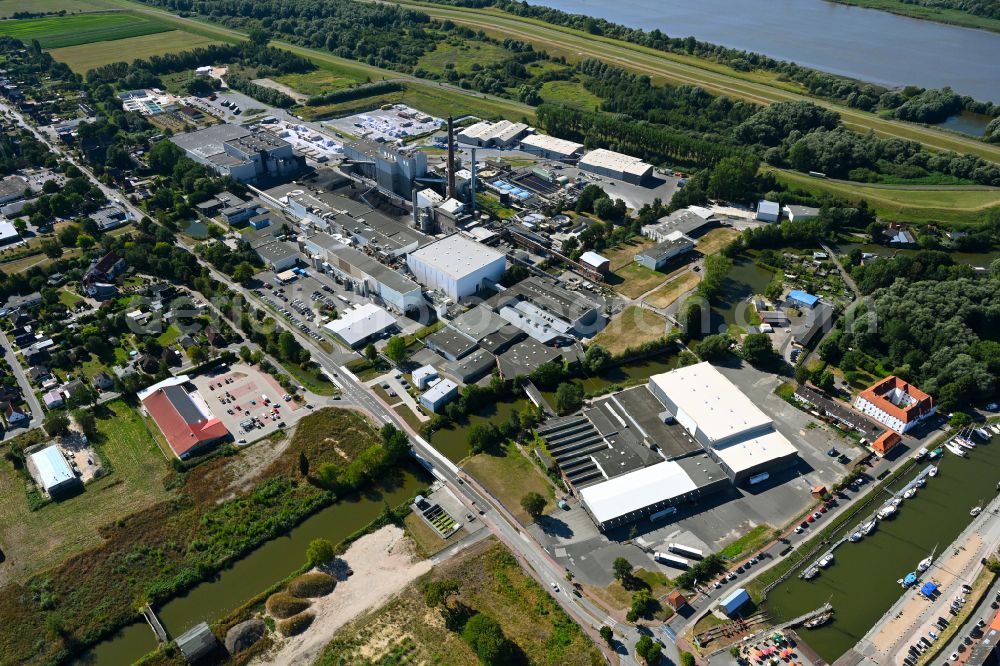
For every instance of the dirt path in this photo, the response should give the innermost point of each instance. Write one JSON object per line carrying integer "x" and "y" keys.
{"x": 383, "y": 563}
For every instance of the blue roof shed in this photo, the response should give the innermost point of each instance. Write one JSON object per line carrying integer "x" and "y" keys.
{"x": 802, "y": 297}
{"x": 734, "y": 601}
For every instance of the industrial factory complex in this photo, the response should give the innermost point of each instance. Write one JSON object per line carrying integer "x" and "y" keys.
{"x": 686, "y": 434}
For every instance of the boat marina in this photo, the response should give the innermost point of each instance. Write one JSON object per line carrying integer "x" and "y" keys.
{"x": 915, "y": 536}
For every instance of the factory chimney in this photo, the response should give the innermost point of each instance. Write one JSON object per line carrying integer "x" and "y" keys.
{"x": 473, "y": 182}
{"x": 451, "y": 157}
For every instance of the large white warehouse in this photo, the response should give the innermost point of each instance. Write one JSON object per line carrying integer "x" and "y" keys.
{"x": 456, "y": 265}
{"x": 731, "y": 429}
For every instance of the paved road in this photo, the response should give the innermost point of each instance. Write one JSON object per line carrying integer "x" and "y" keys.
{"x": 499, "y": 521}
{"x": 37, "y": 415}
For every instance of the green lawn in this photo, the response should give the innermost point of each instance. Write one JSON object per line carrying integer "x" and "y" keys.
{"x": 461, "y": 56}
{"x": 328, "y": 77}
{"x": 570, "y": 93}
{"x": 60, "y": 31}
{"x": 84, "y": 57}
{"x": 36, "y": 540}
{"x": 636, "y": 280}
{"x": 748, "y": 543}
{"x": 69, "y": 298}
{"x": 918, "y": 204}
{"x": 169, "y": 336}
{"x": 509, "y": 477}
{"x": 938, "y": 14}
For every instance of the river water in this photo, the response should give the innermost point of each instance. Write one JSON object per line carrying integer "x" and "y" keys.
{"x": 860, "y": 43}
{"x": 262, "y": 568}
{"x": 861, "y": 584}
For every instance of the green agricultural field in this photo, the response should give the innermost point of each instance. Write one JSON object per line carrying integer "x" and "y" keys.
{"x": 60, "y": 31}
{"x": 10, "y": 7}
{"x": 84, "y": 57}
{"x": 36, "y": 540}
{"x": 962, "y": 204}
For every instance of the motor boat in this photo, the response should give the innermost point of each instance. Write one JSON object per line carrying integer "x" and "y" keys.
{"x": 933, "y": 471}
{"x": 909, "y": 579}
{"x": 869, "y": 527}
{"x": 976, "y": 510}
{"x": 886, "y": 511}
{"x": 956, "y": 449}
{"x": 964, "y": 442}
{"x": 910, "y": 492}
{"x": 995, "y": 428}
{"x": 936, "y": 453}
{"x": 809, "y": 573}
{"x": 926, "y": 563}
{"x": 982, "y": 433}
{"x": 826, "y": 560}
{"x": 896, "y": 501}
{"x": 920, "y": 483}
{"x": 855, "y": 537}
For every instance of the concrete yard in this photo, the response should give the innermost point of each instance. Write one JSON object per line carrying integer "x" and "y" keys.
{"x": 235, "y": 395}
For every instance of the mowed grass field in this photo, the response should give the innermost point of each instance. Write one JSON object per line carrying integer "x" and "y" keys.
{"x": 959, "y": 204}
{"x": 36, "y": 540}
{"x": 11, "y": 7}
{"x": 59, "y": 31}
{"x": 510, "y": 476}
{"x": 634, "y": 326}
{"x": 85, "y": 57}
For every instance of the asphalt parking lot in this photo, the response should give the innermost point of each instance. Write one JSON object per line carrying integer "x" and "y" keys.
{"x": 249, "y": 402}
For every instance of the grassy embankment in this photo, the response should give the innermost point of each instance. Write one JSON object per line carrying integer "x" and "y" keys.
{"x": 406, "y": 631}
{"x": 199, "y": 521}
{"x": 936, "y": 14}
{"x": 10, "y": 7}
{"x": 959, "y": 204}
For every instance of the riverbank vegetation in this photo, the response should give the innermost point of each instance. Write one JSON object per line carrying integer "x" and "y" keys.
{"x": 937, "y": 328}
{"x": 209, "y": 521}
{"x": 517, "y": 617}
{"x": 982, "y": 14}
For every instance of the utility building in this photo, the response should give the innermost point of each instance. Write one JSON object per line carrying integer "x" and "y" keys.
{"x": 550, "y": 148}
{"x": 617, "y": 165}
{"x": 394, "y": 170}
{"x": 457, "y": 266}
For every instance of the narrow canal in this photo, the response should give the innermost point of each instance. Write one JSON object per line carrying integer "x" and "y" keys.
{"x": 262, "y": 568}
{"x": 862, "y": 582}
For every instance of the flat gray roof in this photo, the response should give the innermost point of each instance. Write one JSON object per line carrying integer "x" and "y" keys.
{"x": 451, "y": 342}
{"x": 478, "y": 322}
{"x": 208, "y": 141}
{"x": 525, "y": 357}
{"x": 641, "y": 411}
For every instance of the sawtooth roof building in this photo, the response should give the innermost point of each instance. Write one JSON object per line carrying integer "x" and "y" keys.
{"x": 183, "y": 416}
{"x": 687, "y": 433}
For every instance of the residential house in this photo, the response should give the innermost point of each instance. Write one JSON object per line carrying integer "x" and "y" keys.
{"x": 27, "y": 301}
{"x": 38, "y": 374}
{"x": 15, "y": 416}
{"x": 102, "y": 381}
{"x": 53, "y": 399}
{"x": 215, "y": 337}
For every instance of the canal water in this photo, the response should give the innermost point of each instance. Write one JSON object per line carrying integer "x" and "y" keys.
{"x": 859, "y": 43}
{"x": 861, "y": 584}
{"x": 262, "y": 568}
{"x": 744, "y": 280}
